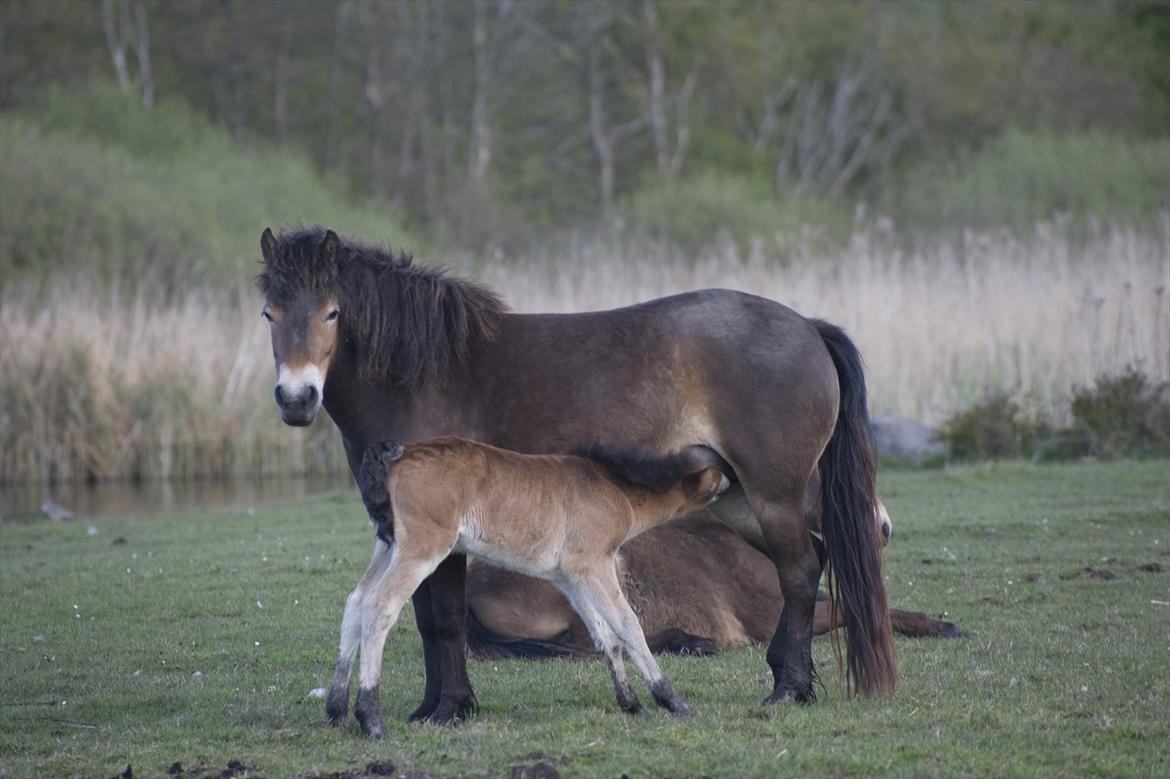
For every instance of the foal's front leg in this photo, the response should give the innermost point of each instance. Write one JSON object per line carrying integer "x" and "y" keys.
{"x": 407, "y": 571}
{"x": 351, "y": 632}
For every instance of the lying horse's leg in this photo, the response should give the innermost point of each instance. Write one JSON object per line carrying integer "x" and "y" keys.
{"x": 449, "y": 613}
{"x": 351, "y": 633}
{"x": 915, "y": 624}
{"x": 408, "y": 569}
{"x": 616, "y": 611}
{"x": 606, "y": 641}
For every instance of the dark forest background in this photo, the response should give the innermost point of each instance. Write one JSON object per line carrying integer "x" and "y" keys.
{"x": 480, "y": 123}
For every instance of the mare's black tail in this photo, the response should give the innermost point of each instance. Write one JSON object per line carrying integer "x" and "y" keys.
{"x": 851, "y": 530}
{"x": 372, "y": 481}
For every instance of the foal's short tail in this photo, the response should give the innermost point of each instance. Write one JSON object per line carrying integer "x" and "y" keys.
{"x": 372, "y": 478}
{"x": 851, "y": 530}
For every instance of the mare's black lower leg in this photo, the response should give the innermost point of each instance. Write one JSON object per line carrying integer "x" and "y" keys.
{"x": 425, "y": 620}
{"x": 798, "y": 564}
{"x": 449, "y": 614}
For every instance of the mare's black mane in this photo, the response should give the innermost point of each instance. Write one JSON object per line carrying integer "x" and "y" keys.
{"x": 410, "y": 323}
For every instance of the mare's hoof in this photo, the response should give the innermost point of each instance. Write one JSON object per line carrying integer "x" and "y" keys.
{"x": 789, "y": 695}
{"x": 452, "y": 711}
{"x": 424, "y": 710}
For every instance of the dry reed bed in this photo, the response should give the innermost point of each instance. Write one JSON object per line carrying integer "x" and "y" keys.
{"x": 101, "y": 383}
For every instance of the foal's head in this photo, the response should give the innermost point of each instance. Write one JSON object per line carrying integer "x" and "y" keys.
{"x": 299, "y": 283}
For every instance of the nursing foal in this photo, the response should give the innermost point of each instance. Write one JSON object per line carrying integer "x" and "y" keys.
{"x": 556, "y": 517}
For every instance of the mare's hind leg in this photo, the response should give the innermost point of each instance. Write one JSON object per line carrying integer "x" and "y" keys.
{"x": 351, "y": 633}
{"x": 408, "y": 568}
{"x": 606, "y": 641}
{"x": 798, "y": 566}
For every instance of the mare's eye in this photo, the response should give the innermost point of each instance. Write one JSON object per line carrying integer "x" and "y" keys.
{"x": 267, "y": 316}
{"x": 332, "y": 315}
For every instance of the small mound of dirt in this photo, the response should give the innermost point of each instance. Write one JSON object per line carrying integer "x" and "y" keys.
{"x": 1152, "y": 568}
{"x": 1101, "y": 574}
{"x": 540, "y": 770}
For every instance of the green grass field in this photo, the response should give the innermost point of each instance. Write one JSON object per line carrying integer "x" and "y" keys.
{"x": 195, "y": 638}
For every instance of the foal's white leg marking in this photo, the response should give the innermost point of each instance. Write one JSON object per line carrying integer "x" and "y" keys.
{"x": 384, "y": 604}
{"x": 606, "y": 641}
{"x": 351, "y": 621}
{"x": 616, "y": 610}
{"x": 351, "y": 630}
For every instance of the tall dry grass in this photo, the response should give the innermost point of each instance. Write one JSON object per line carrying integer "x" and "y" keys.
{"x": 101, "y": 383}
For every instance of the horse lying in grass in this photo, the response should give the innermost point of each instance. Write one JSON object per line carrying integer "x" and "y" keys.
{"x": 695, "y": 585}
{"x": 559, "y": 517}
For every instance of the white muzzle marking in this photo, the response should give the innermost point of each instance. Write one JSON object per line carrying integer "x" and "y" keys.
{"x": 294, "y": 383}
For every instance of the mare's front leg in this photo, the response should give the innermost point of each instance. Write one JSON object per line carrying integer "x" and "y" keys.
{"x": 456, "y": 699}
{"x": 798, "y": 565}
{"x": 351, "y": 632}
{"x": 425, "y": 620}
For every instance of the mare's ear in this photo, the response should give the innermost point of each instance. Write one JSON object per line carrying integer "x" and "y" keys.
{"x": 330, "y": 247}
{"x": 268, "y": 245}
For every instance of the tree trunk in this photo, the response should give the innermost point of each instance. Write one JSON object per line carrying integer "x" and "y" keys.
{"x": 479, "y": 147}
{"x": 280, "y": 81}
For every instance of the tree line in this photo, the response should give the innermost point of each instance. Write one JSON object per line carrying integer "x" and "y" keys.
{"x": 479, "y": 117}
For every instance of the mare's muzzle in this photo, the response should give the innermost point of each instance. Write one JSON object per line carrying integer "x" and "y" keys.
{"x": 298, "y": 409}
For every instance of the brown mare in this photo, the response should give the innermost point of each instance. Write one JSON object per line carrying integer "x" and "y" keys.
{"x": 559, "y": 517}
{"x": 396, "y": 351}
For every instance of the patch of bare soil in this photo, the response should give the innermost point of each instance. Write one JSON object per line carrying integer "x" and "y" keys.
{"x": 1101, "y": 574}
{"x": 1152, "y": 568}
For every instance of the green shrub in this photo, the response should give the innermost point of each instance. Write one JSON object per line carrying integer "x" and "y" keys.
{"x": 707, "y": 208}
{"x": 993, "y": 429}
{"x": 92, "y": 180}
{"x": 1122, "y": 415}
{"x": 1022, "y": 178}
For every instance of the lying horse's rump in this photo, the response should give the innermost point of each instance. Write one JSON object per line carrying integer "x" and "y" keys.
{"x": 695, "y": 585}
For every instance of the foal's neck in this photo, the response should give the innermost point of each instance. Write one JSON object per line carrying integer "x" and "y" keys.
{"x": 653, "y": 508}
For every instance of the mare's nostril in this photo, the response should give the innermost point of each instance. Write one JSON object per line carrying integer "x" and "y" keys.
{"x": 311, "y": 397}
{"x": 885, "y": 531}
{"x": 278, "y": 395}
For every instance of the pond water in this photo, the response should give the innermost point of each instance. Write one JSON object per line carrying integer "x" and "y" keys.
{"x": 124, "y": 498}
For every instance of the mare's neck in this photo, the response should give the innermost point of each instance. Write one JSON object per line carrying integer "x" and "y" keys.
{"x": 367, "y": 412}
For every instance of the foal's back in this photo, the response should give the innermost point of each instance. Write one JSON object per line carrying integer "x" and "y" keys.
{"x": 528, "y": 512}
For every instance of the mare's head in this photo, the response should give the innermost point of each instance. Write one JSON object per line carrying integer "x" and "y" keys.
{"x": 406, "y": 324}
{"x": 302, "y": 304}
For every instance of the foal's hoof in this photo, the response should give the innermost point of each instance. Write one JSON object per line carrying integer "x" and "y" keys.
{"x": 667, "y": 698}
{"x": 368, "y": 711}
{"x": 336, "y": 708}
{"x": 679, "y": 708}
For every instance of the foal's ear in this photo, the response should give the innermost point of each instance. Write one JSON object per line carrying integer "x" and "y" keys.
{"x": 330, "y": 247}
{"x": 705, "y": 484}
{"x": 268, "y": 245}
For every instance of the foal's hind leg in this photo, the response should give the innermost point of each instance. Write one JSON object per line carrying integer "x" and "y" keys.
{"x": 606, "y": 641}
{"x": 351, "y": 633}
{"x": 621, "y": 617}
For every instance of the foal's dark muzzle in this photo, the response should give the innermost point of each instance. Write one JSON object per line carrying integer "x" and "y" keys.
{"x": 300, "y": 408}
